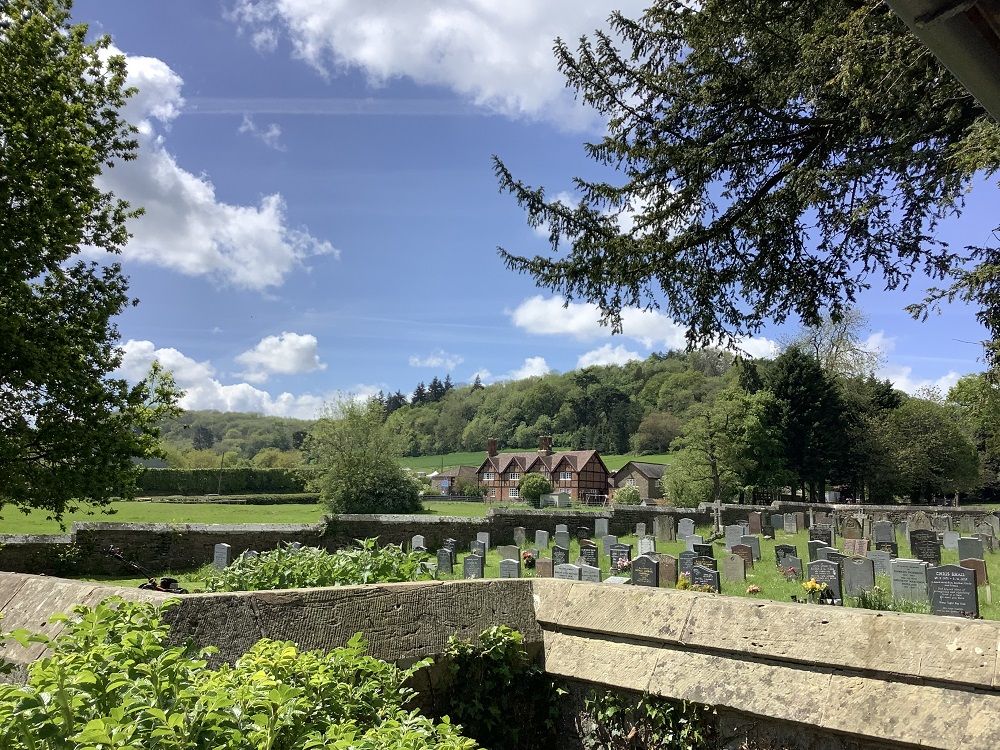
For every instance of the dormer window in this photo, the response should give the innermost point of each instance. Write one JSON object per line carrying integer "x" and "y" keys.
{"x": 488, "y": 476}
{"x": 565, "y": 476}
{"x": 514, "y": 476}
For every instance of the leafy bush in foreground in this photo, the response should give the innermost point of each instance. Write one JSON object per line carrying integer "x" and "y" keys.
{"x": 307, "y": 567}
{"x": 111, "y": 682}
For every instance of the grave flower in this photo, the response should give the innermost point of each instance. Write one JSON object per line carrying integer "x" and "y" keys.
{"x": 527, "y": 559}
{"x": 683, "y": 581}
{"x": 813, "y": 589}
{"x": 753, "y": 589}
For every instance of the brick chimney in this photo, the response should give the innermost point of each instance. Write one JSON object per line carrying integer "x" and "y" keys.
{"x": 544, "y": 445}
{"x": 491, "y": 447}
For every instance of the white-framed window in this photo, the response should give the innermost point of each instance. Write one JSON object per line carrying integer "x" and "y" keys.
{"x": 493, "y": 491}
{"x": 514, "y": 476}
{"x": 630, "y": 482}
{"x": 514, "y": 492}
{"x": 488, "y": 476}
{"x": 565, "y": 476}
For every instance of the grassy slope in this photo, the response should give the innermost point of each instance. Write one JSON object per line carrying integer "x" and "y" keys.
{"x": 475, "y": 458}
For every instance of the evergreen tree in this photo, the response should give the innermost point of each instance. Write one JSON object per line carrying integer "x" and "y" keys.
{"x": 435, "y": 390}
{"x": 419, "y": 394}
{"x": 202, "y": 438}
{"x": 477, "y": 384}
{"x": 448, "y": 385}
{"x": 394, "y": 401}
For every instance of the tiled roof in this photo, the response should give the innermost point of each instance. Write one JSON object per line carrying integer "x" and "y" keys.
{"x": 648, "y": 470}
{"x": 504, "y": 462}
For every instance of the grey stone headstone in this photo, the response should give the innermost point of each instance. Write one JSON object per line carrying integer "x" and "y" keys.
{"x": 744, "y": 551}
{"x": 663, "y": 528}
{"x": 606, "y": 541}
{"x": 755, "y": 523}
{"x": 919, "y": 521}
{"x": 693, "y": 539}
{"x": 509, "y": 552}
{"x": 567, "y": 572}
{"x": 814, "y": 547}
{"x": 909, "y": 579}
{"x": 477, "y": 548}
{"x": 685, "y": 563}
{"x": 472, "y": 566}
{"x": 966, "y": 523}
{"x": 444, "y": 561}
{"x": 777, "y": 521}
{"x": 789, "y": 524}
{"x": 251, "y": 554}
{"x": 685, "y": 528}
{"x": 949, "y": 540}
{"x": 484, "y": 537}
{"x": 880, "y": 559}
{"x": 940, "y": 522}
{"x": 858, "y": 574}
{"x": 994, "y": 523}
{"x": 542, "y": 539}
{"x": 952, "y": 590}
{"x": 510, "y": 568}
{"x": 668, "y": 570}
{"x": 543, "y": 567}
{"x": 519, "y": 536}
{"x": 793, "y": 562}
{"x": 835, "y": 556}
{"x": 800, "y": 520}
{"x": 562, "y": 539}
{"x": 560, "y": 555}
{"x": 970, "y": 547}
{"x": 645, "y": 571}
{"x": 701, "y": 576}
{"x": 851, "y": 528}
{"x": 296, "y": 546}
{"x": 824, "y": 571}
{"x": 222, "y": 555}
{"x": 924, "y": 545}
{"x": 618, "y": 580}
{"x": 646, "y": 545}
{"x": 883, "y": 531}
{"x": 640, "y": 529}
{"x": 734, "y": 568}
{"x": 417, "y": 541}
{"x": 822, "y": 552}
{"x": 590, "y": 573}
{"x": 600, "y": 527}
{"x": 753, "y": 543}
{"x": 733, "y": 533}
{"x": 562, "y": 527}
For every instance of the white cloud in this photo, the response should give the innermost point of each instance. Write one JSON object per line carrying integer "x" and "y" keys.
{"x": 531, "y": 368}
{"x": 186, "y": 227}
{"x": 483, "y": 374}
{"x": 759, "y": 347}
{"x": 440, "y": 358}
{"x": 607, "y": 355}
{"x": 269, "y": 135}
{"x": 879, "y": 343}
{"x": 903, "y": 379}
{"x": 287, "y": 354}
{"x": 204, "y": 391}
{"x": 498, "y": 55}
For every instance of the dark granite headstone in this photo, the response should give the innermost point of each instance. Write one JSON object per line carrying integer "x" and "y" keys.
{"x": 744, "y": 551}
{"x": 477, "y": 548}
{"x": 791, "y": 562}
{"x": 969, "y": 547}
{"x": 952, "y": 590}
{"x": 753, "y": 543}
{"x": 686, "y": 562}
{"x": 835, "y": 557}
{"x": 891, "y": 547}
{"x": 780, "y": 550}
{"x": 451, "y": 545}
{"x": 924, "y": 545}
{"x": 472, "y": 566}
{"x": 620, "y": 554}
{"x": 822, "y": 534}
{"x": 857, "y": 574}
{"x": 589, "y": 555}
{"x": 582, "y": 532}
{"x": 706, "y": 562}
{"x": 703, "y": 550}
{"x": 701, "y": 576}
{"x": 645, "y": 571}
{"x": 560, "y": 555}
{"x": 815, "y": 546}
{"x": 824, "y": 571}
{"x": 445, "y": 563}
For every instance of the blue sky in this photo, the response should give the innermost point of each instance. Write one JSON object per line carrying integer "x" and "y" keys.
{"x": 322, "y": 216}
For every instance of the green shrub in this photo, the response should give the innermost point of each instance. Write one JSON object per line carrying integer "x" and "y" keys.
{"x": 308, "y": 567}
{"x": 627, "y": 495}
{"x": 111, "y": 682}
{"x": 499, "y": 695}
{"x": 236, "y": 481}
{"x": 880, "y": 597}
{"x": 533, "y": 486}
{"x": 618, "y": 721}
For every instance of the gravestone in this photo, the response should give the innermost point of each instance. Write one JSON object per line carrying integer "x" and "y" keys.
{"x": 851, "y": 528}
{"x": 542, "y": 539}
{"x": 519, "y": 536}
{"x": 668, "y": 570}
{"x": 600, "y": 527}
{"x": 562, "y": 527}
{"x": 452, "y": 546}
{"x": 777, "y": 521}
{"x": 607, "y": 541}
{"x": 417, "y": 542}
{"x": 814, "y": 547}
{"x": 588, "y": 554}
{"x": 903, "y": 530}
{"x": 582, "y": 532}
{"x": 822, "y": 518}
{"x": 509, "y": 552}
{"x": 618, "y": 580}
{"x": 510, "y": 568}
{"x": 560, "y": 555}
{"x": 835, "y": 556}
{"x": 824, "y": 571}
{"x": 640, "y": 530}
{"x": 924, "y": 545}
{"x": 706, "y": 562}
{"x": 590, "y": 573}
{"x": 856, "y": 547}
{"x": 883, "y": 531}
{"x": 734, "y": 568}
{"x": 880, "y": 559}
{"x": 753, "y": 543}
{"x": 940, "y": 522}
{"x": 909, "y": 579}
{"x": 858, "y": 574}
{"x": 781, "y": 550}
{"x": 891, "y": 547}
{"x": 705, "y": 550}
{"x": 701, "y": 576}
{"x": 949, "y": 540}
{"x": 645, "y": 571}
{"x": 477, "y": 548}
{"x": 543, "y": 567}
{"x": 472, "y": 566}
{"x": 767, "y": 531}
{"x": 966, "y": 524}
{"x": 990, "y": 542}
{"x": 789, "y": 524}
{"x": 952, "y": 591}
{"x": 822, "y": 534}
{"x": 693, "y": 539}
{"x": 800, "y": 520}
{"x": 445, "y": 562}
{"x": 744, "y": 551}
{"x": 663, "y": 528}
{"x": 484, "y": 537}
{"x": 919, "y": 521}
{"x": 970, "y": 547}
{"x": 222, "y": 555}
{"x": 566, "y": 572}
{"x": 794, "y": 563}
{"x": 646, "y": 545}
{"x": 733, "y": 534}
{"x": 685, "y": 528}
{"x": 685, "y": 562}
{"x": 620, "y": 554}
{"x": 979, "y": 566}
{"x": 993, "y": 522}
{"x": 822, "y": 552}
{"x": 561, "y": 539}
{"x": 755, "y": 523}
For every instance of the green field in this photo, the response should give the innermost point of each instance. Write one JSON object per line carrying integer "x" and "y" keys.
{"x": 475, "y": 458}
